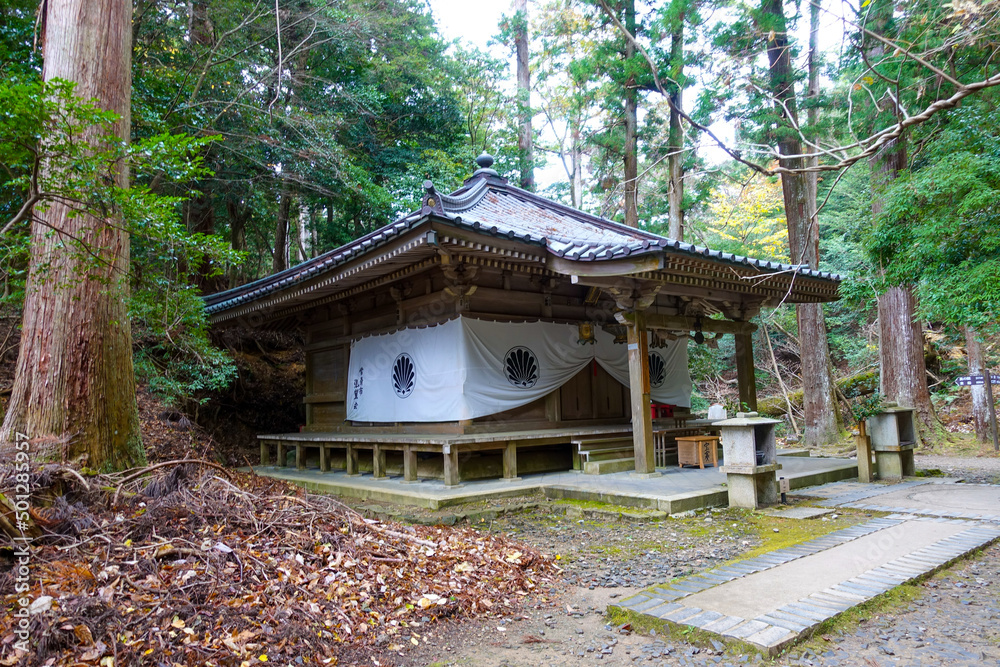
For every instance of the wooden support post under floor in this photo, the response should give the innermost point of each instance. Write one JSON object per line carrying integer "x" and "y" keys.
{"x": 745, "y": 371}
{"x": 378, "y": 462}
{"x": 510, "y": 461}
{"x": 265, "y": 453}
{"x": 409, "y": 464}
{"x": 352, "y": 460}
{"x": 324, "y": 458}
{"x": 638, "y": 380}
{"x": 451, "y": 475}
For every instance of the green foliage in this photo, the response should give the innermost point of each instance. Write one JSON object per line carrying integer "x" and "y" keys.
{"x": 940, "y": 230}
{"x": 45, "y": 139}
{"x": 864, "y": 407}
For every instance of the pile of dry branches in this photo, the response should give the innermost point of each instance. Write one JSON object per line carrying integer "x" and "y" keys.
{"x": 193, "y": 564}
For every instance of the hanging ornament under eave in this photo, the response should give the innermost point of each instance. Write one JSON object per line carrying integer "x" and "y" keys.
{"x": 586, "y": 331}
{"x": 698, "y": 337}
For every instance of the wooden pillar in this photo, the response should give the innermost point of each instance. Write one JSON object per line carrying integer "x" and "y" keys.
{"x": 510, "y": 461}
{"x": 409, "y": 464}
{"x": 265, "y": 453}
{"x": 864, "y": 443}
{"x": 378, "y": 462}
{"x": 282, "y": 455}
{"x": 638, "y": 380}
{"x": 324, "y": 458}
{"x": 352, "y": 460}
{"x": 745, "y": 372}
{"x": 451, "y": 474}
{"x": 300, "y": 456}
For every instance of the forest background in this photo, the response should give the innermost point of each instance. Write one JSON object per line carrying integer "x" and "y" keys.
{"x": 263, "y": 134}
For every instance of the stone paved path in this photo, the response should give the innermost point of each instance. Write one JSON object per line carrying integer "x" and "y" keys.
{"x": 775, "y": 600}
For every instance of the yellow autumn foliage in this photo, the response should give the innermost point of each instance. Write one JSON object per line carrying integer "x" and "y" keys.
{"x": 750, "y": 219}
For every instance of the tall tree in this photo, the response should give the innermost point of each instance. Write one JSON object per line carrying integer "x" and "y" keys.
{"x": 822, "y": 418}
{"x": 675, "y": 161}
{"x": 525, "y": 137}
{"x": 630, "y": 157}
{"x": 903, "y": 372}
{"x": 978, "y": 366}
{"x": 74, "y": 380}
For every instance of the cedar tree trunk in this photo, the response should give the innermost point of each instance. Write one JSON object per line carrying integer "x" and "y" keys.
{"x": 524, "y": 138}
{"x": 280, "y": 261}
{"x": 74, "y": 382}
{"x": 631, "y": 98}
{"x": 822, "y": 418}
{"x": 977, "y": 366}
{"x": 903, "y": 372}
{"x": 675, "y": 162}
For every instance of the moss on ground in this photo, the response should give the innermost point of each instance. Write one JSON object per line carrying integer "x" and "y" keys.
{"x": 780, "y": 533}
{"x": 644, "y": 624}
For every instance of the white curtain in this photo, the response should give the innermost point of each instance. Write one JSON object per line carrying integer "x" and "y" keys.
{"x": 468, "y": 368}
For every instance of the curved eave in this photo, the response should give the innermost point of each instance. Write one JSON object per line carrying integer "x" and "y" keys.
{"x": 418, "y": 237}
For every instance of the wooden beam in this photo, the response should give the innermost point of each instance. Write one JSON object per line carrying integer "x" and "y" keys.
{"x": 745, "y": 377}
{"x": 611, "y": 267}
{"x": 638, "y": 380}
{"x": 685, "y": 323}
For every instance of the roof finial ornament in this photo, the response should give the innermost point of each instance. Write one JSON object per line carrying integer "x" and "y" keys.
{"x": 485, "y": 160}
{"x": 485, "y": 164}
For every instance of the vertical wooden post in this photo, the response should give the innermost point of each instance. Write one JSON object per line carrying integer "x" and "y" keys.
{"x": 988, "y": 381}
{"x": 265, "y": 453}
{"x": 745, "y": 372}
{"x": 638, "y": 380}
{"x": 409, "y": 464}
{"x": 324, "y": 458}
{"x": 451, "y": 474}
{"x": 282, "y": 455}
{"x": 510, "y": 461}
{"x": 864, "y": 443}
{"x": 300, "y": 456}
{"x": 352, "y": 460}
{"x": 378, "y": 462}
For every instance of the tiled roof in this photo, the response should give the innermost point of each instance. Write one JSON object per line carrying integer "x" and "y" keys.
{"x": 497, "y": 207}
{"x": 489, "y": 205}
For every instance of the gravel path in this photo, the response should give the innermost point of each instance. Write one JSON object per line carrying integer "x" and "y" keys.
{"x": 980, "y": 470}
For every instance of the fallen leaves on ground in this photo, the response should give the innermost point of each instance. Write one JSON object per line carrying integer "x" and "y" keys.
{"x": 191, "y": 567}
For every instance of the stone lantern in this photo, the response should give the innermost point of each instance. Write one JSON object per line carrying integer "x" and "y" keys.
{"x": 894, "y": 436}
{"x": 749, "y": 451}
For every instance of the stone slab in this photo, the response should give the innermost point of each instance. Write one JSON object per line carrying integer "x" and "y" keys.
{"x": 787, "y": 601}
{"x": 757, "y": 594}
{"x": 798, "y": 512}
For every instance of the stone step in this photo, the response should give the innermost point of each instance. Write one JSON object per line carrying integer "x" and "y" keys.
{"x": 610, "y": 453}
{"x": 607, "y": 467}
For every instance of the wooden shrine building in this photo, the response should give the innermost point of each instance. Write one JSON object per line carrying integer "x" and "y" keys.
{"x": 493, "y": 321}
